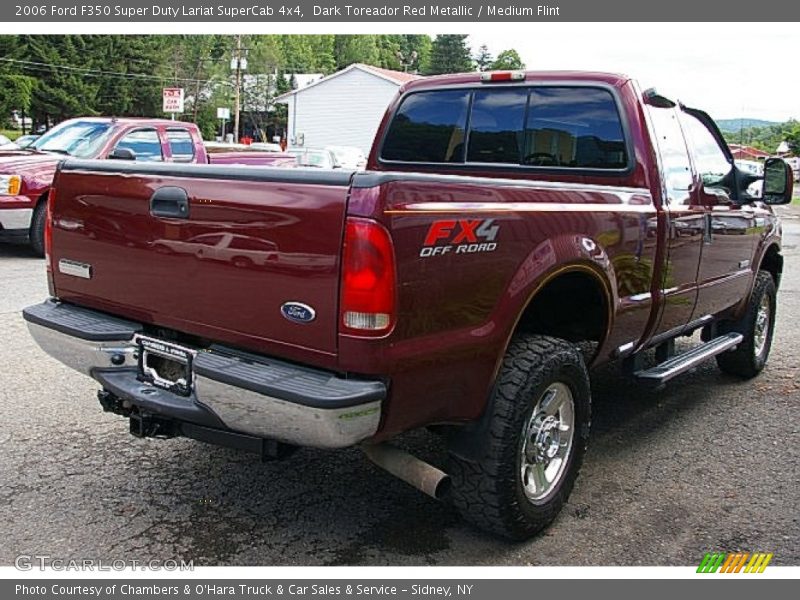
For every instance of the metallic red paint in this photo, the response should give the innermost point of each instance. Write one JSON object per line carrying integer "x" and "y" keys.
{"x": 37, "y": 169}
{"x": 455, "y": 310}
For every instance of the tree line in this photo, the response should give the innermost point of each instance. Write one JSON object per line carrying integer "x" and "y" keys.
{"x": 767, "y": 137}
{"x": 48, "y": 78}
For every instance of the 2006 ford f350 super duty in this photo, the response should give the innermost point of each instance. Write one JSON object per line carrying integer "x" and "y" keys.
{"x": 511, "y": 230}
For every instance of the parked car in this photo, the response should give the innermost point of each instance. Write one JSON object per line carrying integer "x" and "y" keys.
{"x": 794, "y": 162}
{"x": 266, "y": 146}
{"x": 477, "y": 270}
{"x": 24, "y": 141}
{"x": 349, "y": 157}
{"x": 239, "y": 250}
{"x": 750, "y": 166}
{"x": 7, "y": 144}
{"x": 755, "y": 169}
{"x": 26, "y": 174}
{"x": 314, "y": 157}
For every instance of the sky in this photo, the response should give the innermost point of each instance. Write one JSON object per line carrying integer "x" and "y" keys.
{"x": 730, "y": 70}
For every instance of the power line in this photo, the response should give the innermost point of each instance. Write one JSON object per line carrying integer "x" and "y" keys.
{"x": 34, "y": 65}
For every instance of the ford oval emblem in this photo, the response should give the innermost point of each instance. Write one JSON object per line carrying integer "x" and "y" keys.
{"x": 298, "y": 312}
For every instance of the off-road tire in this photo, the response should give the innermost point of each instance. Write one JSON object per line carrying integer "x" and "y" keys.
{"x": 745, "y": 362}
{"x": 488, "y": 491}
{"x": 36, "y": 232}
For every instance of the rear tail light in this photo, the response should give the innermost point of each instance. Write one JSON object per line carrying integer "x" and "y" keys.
{"x": 48, "y": 227}
{"x": 368, "y": 279}
{"x": 500, "y": 76}
{"x": 48, "y": 240}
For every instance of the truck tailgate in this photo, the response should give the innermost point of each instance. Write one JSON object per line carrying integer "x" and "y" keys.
{"x": 246, "y": 242}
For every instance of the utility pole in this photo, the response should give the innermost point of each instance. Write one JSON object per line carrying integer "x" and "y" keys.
{"x": 238, "y": 59}
{"x": 196, "y": 90}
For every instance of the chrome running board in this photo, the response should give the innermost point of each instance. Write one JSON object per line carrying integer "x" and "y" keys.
{"x": 690, "y": 359}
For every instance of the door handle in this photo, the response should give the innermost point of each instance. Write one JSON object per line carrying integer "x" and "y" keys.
{"x": 171, "y": 202}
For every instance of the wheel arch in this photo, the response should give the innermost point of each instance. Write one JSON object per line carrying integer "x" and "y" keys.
{"x": 772, "y": 262}
{"x": 466, "y": 440}
{"x": 587, "y": 282}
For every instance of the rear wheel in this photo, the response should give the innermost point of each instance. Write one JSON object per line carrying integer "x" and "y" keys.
{"x": 36, "y": 232}
{"x": 534, "y": 444}
{"x": 757, "y": 326}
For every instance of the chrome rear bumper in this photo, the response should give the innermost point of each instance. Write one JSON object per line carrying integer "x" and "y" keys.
{"x": 245, "y": 393}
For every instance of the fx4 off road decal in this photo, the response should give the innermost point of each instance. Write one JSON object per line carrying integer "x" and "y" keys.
{"x": 460, "y": 236}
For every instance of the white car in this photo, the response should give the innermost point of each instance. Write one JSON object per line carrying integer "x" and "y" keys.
{"x": 319, "y": 158}
{"x": 752, "y": 167}
{"x": 7, "y": 144}
{"x": 349, "y": 157}
{"x": 265, "y": 147}
{"x": 239, "y": 250}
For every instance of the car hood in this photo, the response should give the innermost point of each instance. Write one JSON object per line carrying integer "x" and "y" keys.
{"x": 23, "y": 162}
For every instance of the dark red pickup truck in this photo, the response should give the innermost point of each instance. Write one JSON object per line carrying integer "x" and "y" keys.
{"x": 511, "y": 231}
{"x": 27, "y": 174}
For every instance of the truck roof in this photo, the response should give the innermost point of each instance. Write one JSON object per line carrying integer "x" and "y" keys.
{"x": 436, "y": 81}
{"x": 136, "y": 121}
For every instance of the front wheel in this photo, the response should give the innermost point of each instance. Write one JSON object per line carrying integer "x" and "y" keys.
{"x": 36, "y": 232}
{"x": 539, "y": 417}
{"x": 756, "y": 326}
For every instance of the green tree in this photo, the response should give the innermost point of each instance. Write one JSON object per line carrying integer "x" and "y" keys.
{"x": 422, "y": 45}
{"x": 133, "y": 91}
{"x": 349, "y": 49}
{"x": 793, "y": 136}
{"x": 64, "y": 88}
{"x": 484, "y": 59}
{"x": 508, "y": 60}
{"x": 17, "y": 94}
{"x": 390, "y": 54}
{"x": 449, "y": 54}
{"x": 298, "y": 54}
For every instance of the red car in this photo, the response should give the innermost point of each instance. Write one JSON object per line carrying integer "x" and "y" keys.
{"x": 27, "y": 174}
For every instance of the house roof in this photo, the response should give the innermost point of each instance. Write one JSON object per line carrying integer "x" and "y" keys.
{"x": 748, "y": 150}
{"x": 396, "y": 77}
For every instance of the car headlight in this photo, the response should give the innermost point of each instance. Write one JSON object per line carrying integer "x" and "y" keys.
{"x": 10, "y": 185}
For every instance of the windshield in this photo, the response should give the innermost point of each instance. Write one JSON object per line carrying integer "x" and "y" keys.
{"x": 76, "y": 138}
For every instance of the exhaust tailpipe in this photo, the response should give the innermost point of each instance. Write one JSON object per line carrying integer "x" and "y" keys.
{"x": 423, "y": 476}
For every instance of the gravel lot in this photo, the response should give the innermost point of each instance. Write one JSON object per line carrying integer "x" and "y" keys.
{"x": 708, "y": 463}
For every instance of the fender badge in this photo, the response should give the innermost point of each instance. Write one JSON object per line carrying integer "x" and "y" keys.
{"x": 75, "y": 268}
{"x": 298, "y": 312}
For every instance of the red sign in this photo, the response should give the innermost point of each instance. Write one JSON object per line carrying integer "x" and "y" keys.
{"x": 173, "y": 100}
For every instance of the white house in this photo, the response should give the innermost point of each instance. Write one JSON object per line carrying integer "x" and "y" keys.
{"x": 342, "y": 109}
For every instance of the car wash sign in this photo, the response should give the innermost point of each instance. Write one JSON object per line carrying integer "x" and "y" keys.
{"x": 173, "y": 100}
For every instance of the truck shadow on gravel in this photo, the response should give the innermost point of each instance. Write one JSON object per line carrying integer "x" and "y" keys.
{"x": 336, "y": 508}
{"x": 10, "y": 251}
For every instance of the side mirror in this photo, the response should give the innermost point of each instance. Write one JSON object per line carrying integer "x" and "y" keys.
{"x": 778, "y": 181}
{"x": 122, "y": 154}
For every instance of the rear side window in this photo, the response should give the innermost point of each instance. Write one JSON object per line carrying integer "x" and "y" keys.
{"x": 181, "y": 145}
{"x": 576, "y": 127}
{"x": 548, "y": 126}
{"x": 429, "y": 127}
{"x": 144, "y": 143}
